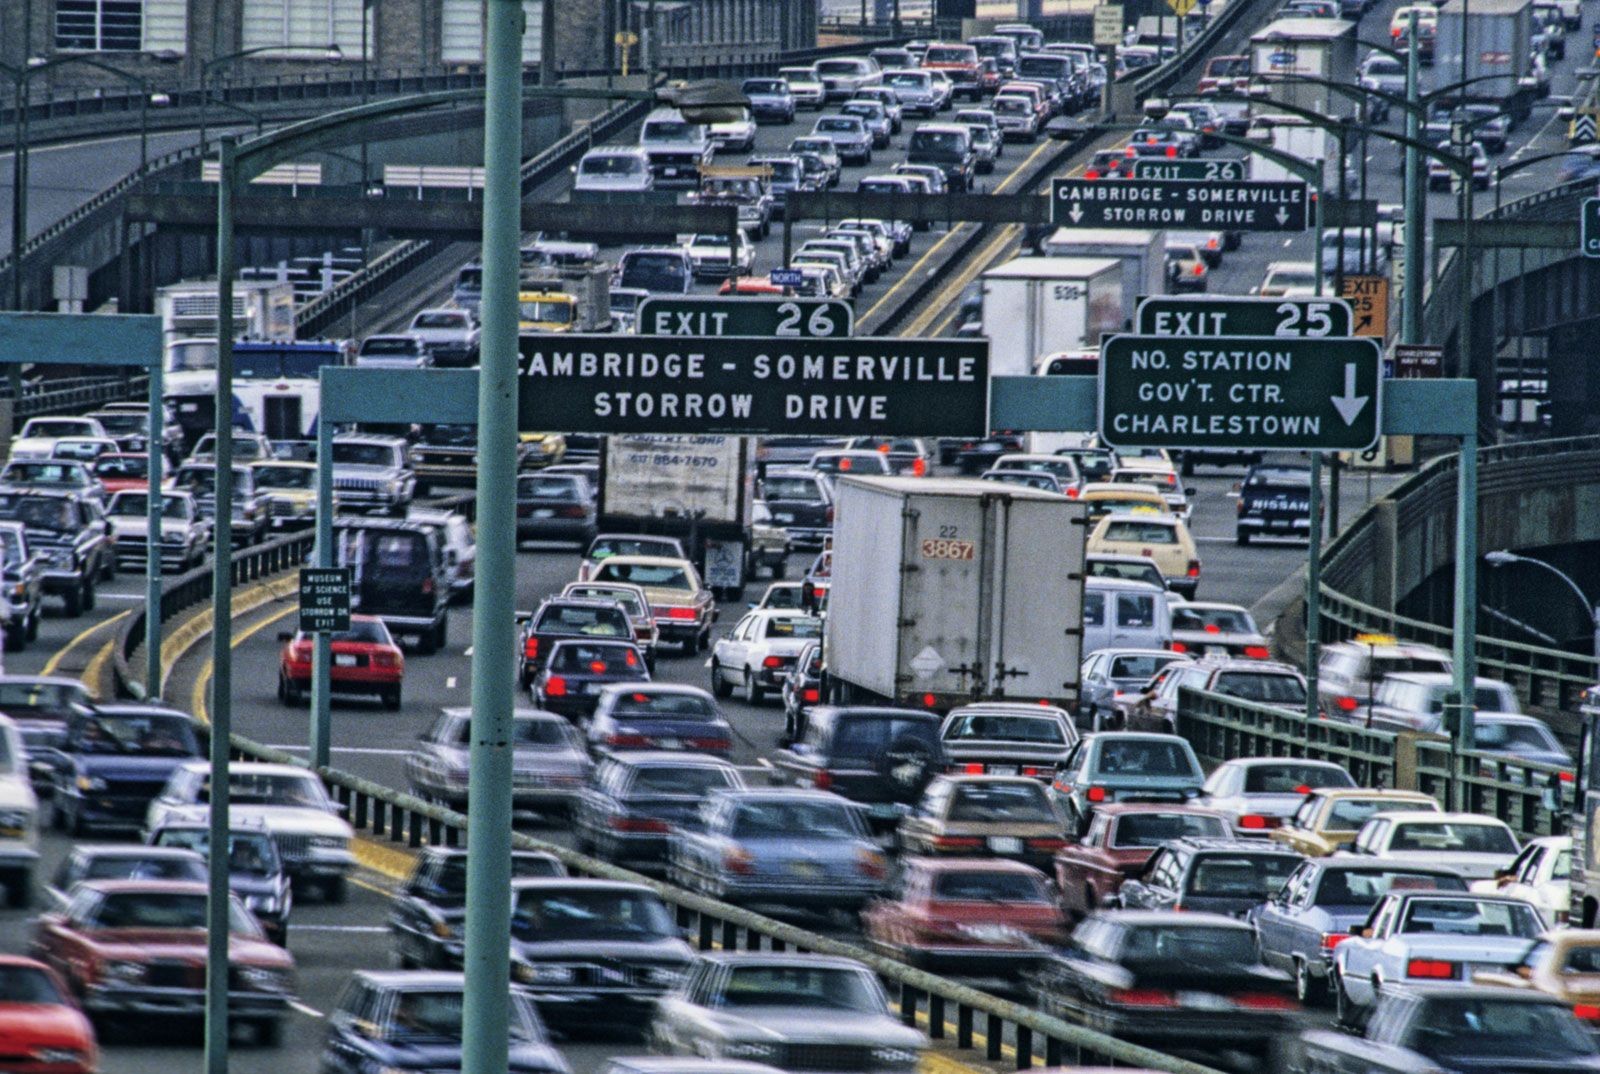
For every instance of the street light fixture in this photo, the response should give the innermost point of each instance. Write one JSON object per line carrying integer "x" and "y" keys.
{"x": 1507, "y": 558}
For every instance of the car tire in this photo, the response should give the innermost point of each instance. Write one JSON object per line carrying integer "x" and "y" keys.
{"x": 88, "y": 594}
{"x": 1344, "y": 1010}
{"x": 16, "y": 638}
{"x": 778, "y": 570}
{"x": 391, "y": 699}
{"x": 1242, "y": 537}
{"x": 19, "y": 891}
{"x": 753, "y": 693}
{"x": 72, "y": 602}
{"x": 720, "y": 687}
{"x": 335, "y": 891}
{"x": 1307, "y": 989}
{"x": 33, "y": 624}
{"x": 108, "y": 569}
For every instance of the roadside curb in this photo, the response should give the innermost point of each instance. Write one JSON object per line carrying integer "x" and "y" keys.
{"x": 176, "y": 644}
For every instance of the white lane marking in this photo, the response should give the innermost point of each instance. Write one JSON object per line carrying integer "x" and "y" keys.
{"x": 121, "y": 596}
{"x": 311, "y": 1012}
{"x": 1287, "y": 243}
{"x": 297, "y": 927}
{"x": 450, "y": 682}
{"x": 359, "y": 751}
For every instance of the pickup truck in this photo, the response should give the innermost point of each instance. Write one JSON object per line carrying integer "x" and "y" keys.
{"x": 747, "y": 189}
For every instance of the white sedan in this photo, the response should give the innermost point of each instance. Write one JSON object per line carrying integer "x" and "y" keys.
{"x": 759, "y": 651}
{"x": 1541, "y": 874}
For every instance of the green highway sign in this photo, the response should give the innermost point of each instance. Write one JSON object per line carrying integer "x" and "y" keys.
{"x": 746, "y": 385}
{"x": 1263, "y": 205}
{"x": 1589, "y": 228}
{"x": 746, "y": 316}
{"x": 1205, "y": 171}
{"x": 1245, "y": 393}
{"x": 1285, "y": 318}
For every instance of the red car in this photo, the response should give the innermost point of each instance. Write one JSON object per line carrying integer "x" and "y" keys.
{"x": 133, "y": 948}
{"x": 366, "y": 660}
{"x": 41, "y": 1030}
{"x": 1120, "y": 840}
{"x": 122, "y": 471}
{"x": 972, "y": 915}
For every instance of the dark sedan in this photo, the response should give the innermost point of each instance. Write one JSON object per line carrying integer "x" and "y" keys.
{"x": 114, "y": 762}
{"x": 429, "y": 911}
{"x": 577, "y": 671}
{"x": 658, "y": 716}
{"x": 626, "y": 815}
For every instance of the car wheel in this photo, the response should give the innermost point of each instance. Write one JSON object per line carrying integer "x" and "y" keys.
{"x": 72, "y": 602}
{"x": 269, "y": 1033}
{"x": 720, "y": 687}
{"x": 335, "y": 891}
{"x": 108, "y": 569}
{"x": 19, "y": 892}
{"x": 88, "y": 594}
{"x": 1344, "y": 1011}
{"x": 16, "y": 638}
{"x": 391, "y": 699}
{"x": 753, "y": 694}
{"x": 33, "y": 625}
{"x": 1307, "y": 989}
{"x": 1242, "y": 537}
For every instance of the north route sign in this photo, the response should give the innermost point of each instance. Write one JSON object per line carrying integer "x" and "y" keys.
{"x": 1248, "y": 393}
{"x": 1288, "y": 318}
{"x": 1264, "y": 205}
{"x": 703, "y": 315}
{"x": 747, "y": 385}
{"x": 1195, "y": 170}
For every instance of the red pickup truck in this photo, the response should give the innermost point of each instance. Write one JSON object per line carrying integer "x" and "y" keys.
{"x": 1120, "y": 840}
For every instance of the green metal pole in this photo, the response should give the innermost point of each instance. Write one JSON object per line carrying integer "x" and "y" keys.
{"x": 216, "y": 1026}
{"x": 1314, "y": 530}
{"x": 487, "y": 960}
{"x": 152, "y": 553}
{"x": 19, "y": 203}
{"x": 322, "y": 656}
{"x": 1411, "y": 324}
{"x": 1465, "y": 654}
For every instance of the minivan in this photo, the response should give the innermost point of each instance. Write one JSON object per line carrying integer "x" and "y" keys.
{"x": 1126, "y": 614}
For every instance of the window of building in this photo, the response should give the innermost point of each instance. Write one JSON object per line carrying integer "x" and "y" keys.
{"x": 461, "y": 40}
{"x": 306, "y": 24}
{"x": 121, "y": 25}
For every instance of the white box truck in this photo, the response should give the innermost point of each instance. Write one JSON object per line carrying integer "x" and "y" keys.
{"x": 1035, "y": 305}
{"x": 1143, "y": 255}
{"x": 1291, "y": 134}
{"x": 1316, "y": 48}
{"x": 262, "y": 309}
{"x": 952, "y": 590}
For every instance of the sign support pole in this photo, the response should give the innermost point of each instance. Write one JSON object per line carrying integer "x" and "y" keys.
{"x": 1465, "y": 653}
{"x": 322, "y": 655}
{"x": 154, "y": 502}
{"x": 488, "y": 957}
{"x": 1314, "y": 530}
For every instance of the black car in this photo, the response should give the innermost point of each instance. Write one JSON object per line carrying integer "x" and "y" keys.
{"x": 1182, "y": 983}
{"x": 1222, "y": 876}
{"x": 577, "y": 669}
{"x": 802, "y": 689}
{"x": 1274, "y": 501}
{"x": 429, "y": 912}
{"x": 594, "y": 953}
{"x": 567, "y": 617}
{"x": 113, "y": 763}
{"x": 398, "y": 1021}
{"x": 256, "y": 871}
{"x": 627, "y": 813}
{"x": 883, "y": 758}
{"x": 43, "y": 706}
{"x": 976, "y": 456}
{"x": 801, "y": 501}
{"x": 72, "y": 533}
{"x": 399, "y": 574}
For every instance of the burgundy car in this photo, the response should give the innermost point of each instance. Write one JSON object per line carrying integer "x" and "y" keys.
{"x": 1120, "y": 840}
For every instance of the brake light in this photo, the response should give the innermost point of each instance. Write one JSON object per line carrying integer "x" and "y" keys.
{"x": 1035, "y": 773}
{"x": 1586, "y": 1010}
{"x": 573, "y": 511}
{"x": 919, "y": 467}
{"x": 771, "y": 662}
{"x": 1257, "y": 823}
{"x": 928, "y": 701}
{"x": 1345, "y": 704}
{"x": 811, "y": 694}
{"x": 1565, "y": 777}
{"x": 383, "y": 658}
{"x": 629, "y": 659}
{"x": 822, "y": 779}
{"x": 1172, "y": 150}
{"x": 738, "y": 861}
{"x": 1330, "y": 940}
{"x": 1212, "y": 628}
{"x": 1095, "y": 794}
{"x": 829, "y": 516}
{"x": 1194, "y": 571}
{"x": 1141, "y": 997}
{"x": 1265, "y": 1001}
{"x": 956, "y": 842}
{"x": 1046, "y": 843}
{"x": 629, "y": 740}
{"x": 638, "y": 824}
{"x": 597, "y": 667}
{"x": 530, "y": 648}
{"x": 1433, "y": 969}
{"x": 1211, "y": 244}
{"x": 1072, "y": 492}
{"x": 555, "y": 686}
{"x": 1257, "y": 652}
{"x": 680, "y": 613}
{"x": 972, "y": 769}
{"x": 427, "y": 587}
{"x": 1303, "y": 788}
{"x": 714, "y": 745}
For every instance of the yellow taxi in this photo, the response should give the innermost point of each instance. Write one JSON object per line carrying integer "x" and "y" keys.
{"x": 546, "y": 311}
{"x": 1160, "y": 537}
{"x": 291, "y": 492}
{"x": 1104, "y": 497}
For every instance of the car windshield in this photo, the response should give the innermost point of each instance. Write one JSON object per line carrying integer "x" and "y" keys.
{"x": 535, "y": 732}
{"x": 549, "y": 487}
{"x": 162, "y": 910}
{"x": 585, "y": 619}
{"x": 1514, "y": 737}
{"x": 1472, "y": 917}
{"x": 583, "y": 659}
{"x": 990, "y": 803}
{"x": 668, "y": 130}
{"x": 1265, "y": 687}
{"x": 1476, "y": 1028}
{"x": 801, "y": 489}
{"x": 656, "y": 575}
{"x": 45, "y": 473}
{"x": 1232, "y": 875}
{"x": 1144, "y": 757}
{"x": 140, "y": 867}
{"x": 1291, "y": 778}
{"x": 672, "y": 706}
{"x": 148, "y": 734}
{"x": 354, "y": 453}
{"x": 248, "y": 852}
{"x": 947, "y": 143}
{"x": 437, "y": 1016}
{"x": 122, "y": 467}
{"x": 546, "y": 310}
{"x": 692, "y": 781}
{"x": 1364, "y": 887}
{"x": 838, "y": 67}
{"x": 1463, "y": 837}
{"x": 554, "y": 914}
{"x": 286, "y": 477}
{"x": 801, "y": 987}
{"x": 1138, "y": 830}
{"x": 135, "y": 504}
{"x": 906, "y": 80}
{"x": 28, "y": 984}
{"x": 1213, "y": 620}
{"x": 604, "y": 547}
{"x": 1192, "y": 945}
{"x": 272, "y": 789}
{"x": 971, "y": 885}
{"x": 653, "y": 272}
{"x": 988, "y": 727}
{"x": 611, "y": 164}
{"x": 1138, "y": 666}
{"x": 41, "y": 695}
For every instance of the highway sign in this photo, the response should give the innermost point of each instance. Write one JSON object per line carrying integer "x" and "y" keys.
{"x": 786, "y": 277}
{"x": 747, "y": 385}
{"x": 1369, "y": 301}
{"x": 1181, "y": 7}
{"x": 1107, "y": 25}
{"x": 324, "y": 599}
{"x": 1202, "y": 170}
{"x": 1285, "y": 318}
{"x": 1415, "y": 361}
{"x": 1160, "y": 203}
{"x": 1589, "y": 228}
{"x": 1240, "y": 393}
{"x": 748, "y": 316}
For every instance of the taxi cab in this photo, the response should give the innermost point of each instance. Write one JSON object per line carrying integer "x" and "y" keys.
{"x": 1162, "y": 538}
{"x": 1104, "y": 498}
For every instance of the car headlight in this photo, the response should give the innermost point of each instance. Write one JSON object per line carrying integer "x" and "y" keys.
{"x": 91, "y": 783}
{"x": 16, "y": 818}
{"x": 261, "y": 904}
{"x": 263, "y": 979}
{"x": 124, "y": 971}
{"x": 547, "y": 974}
{"x": 19, "y": 591}
{"x": 899, "y": 1057}
{"x": 749, "y": 1049}
{"x": 328, "y": 842}
{"x": 60, "y": 1056}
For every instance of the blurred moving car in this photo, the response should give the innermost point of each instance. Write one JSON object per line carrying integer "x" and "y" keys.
{"x": 256, "y": 873}
{"x": 626, "y": 814}
{"x": 1006, "y": 817}
{"x": 1475, "y": 846}
{"x": 1222, "y": 876}
{"x": 578, "y": 669}
{"x": 1003, "y": 738}
{"x": 429, "y": 911}
{"x": 967, "y": 916}
{"x": 657, "y": 716}
{"x": 114, "y": 761}
{"x": 1541, "y": 874}
{"x": 1125, "y": 766}
{"x": 1257, "y": 794}
{"x": 1328, "y": 819}
{"x": 1120, "y": 841}
{"x": 39, "y": 1019}
{"x": 548, "y": 762}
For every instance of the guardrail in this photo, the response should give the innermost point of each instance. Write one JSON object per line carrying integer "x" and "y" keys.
{"x": 1528, "y": 796}
{"x": 74, "y": 394}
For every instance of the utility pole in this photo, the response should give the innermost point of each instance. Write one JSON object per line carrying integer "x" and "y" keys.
{"x": 1411, "y": 324}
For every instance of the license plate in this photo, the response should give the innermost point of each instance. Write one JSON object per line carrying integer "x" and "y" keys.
{"x": 670, "y": 743}
{"x": 669, "y": 171}
{"x": 1005, "y": 844}
{"x": 1002, "y": 770}
{"x": 11, "y": 833}
{"x": 805, "y": 868}
{"x": 783, "y": 516}
{"x": 189, "y": 408}
{"x": 884, "y": 810}
{"x": 545, "y": 512}
{"x": 343, "y": 660}
{"x": 1204, "y": 1001}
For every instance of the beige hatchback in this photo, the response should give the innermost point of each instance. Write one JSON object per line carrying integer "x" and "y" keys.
{"x": 1162, "y": 538}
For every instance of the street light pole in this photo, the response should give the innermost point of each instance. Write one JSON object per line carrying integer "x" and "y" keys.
{"x": 1505, "y": 558}
{"x": 19, "y": 183}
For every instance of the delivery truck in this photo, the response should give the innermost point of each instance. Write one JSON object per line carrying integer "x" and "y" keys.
{"x": 1142, "y": 254}
{"x": 1035, "y": 305}
{"x": 262, "y": 309}
{"x": 1290, "y": 134}
{"x": 1495, "y": 37}
{"x": 947, "y": 591}
{"x": 697, "y": 488}
{"x": 1314, "y": 48}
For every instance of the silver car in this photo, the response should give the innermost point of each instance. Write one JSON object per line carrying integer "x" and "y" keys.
{"x": 549, "y": 764}
{"x": 783, "y": 1009}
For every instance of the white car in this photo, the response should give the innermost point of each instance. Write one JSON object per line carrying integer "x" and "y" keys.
{"x": 708, "y": 254}
{"x": 1541, "y": 875}
{"x": 1289, "y": 279}
{"x": 1258, "y": 794}
{"x": 460, "y": 545}
{"x": 736, "y": 135}
{"x": 39, "y": 436}
{"x": 1475, "y": 846}
{"x": 614, "y": 168}
{"x": 804, "y": 87}
{"x": 19, "y": 818}
{"x": 288, "y": 801}
{"x": 759, "y": 651}
{"x": 1430, "y": 938}
{"x": 185, "y": 535}
{"x": 451, "y": 335}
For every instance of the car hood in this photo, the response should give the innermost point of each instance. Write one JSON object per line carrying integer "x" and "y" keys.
{"x": 139, "y": 945}
{"x": 811, "y": 1025}
{"x": 279, "y": 820}
{"x": 114, "y": 766}
{"x": 137, "y": 527}
{"x": 44, "y": 1025}
{"x": 446, "y": 1055}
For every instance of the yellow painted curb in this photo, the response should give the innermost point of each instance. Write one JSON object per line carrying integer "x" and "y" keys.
{"x": 391, "y": 862}
{"x": 177, "y": 644}
{"x": 938, "y": 1063}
